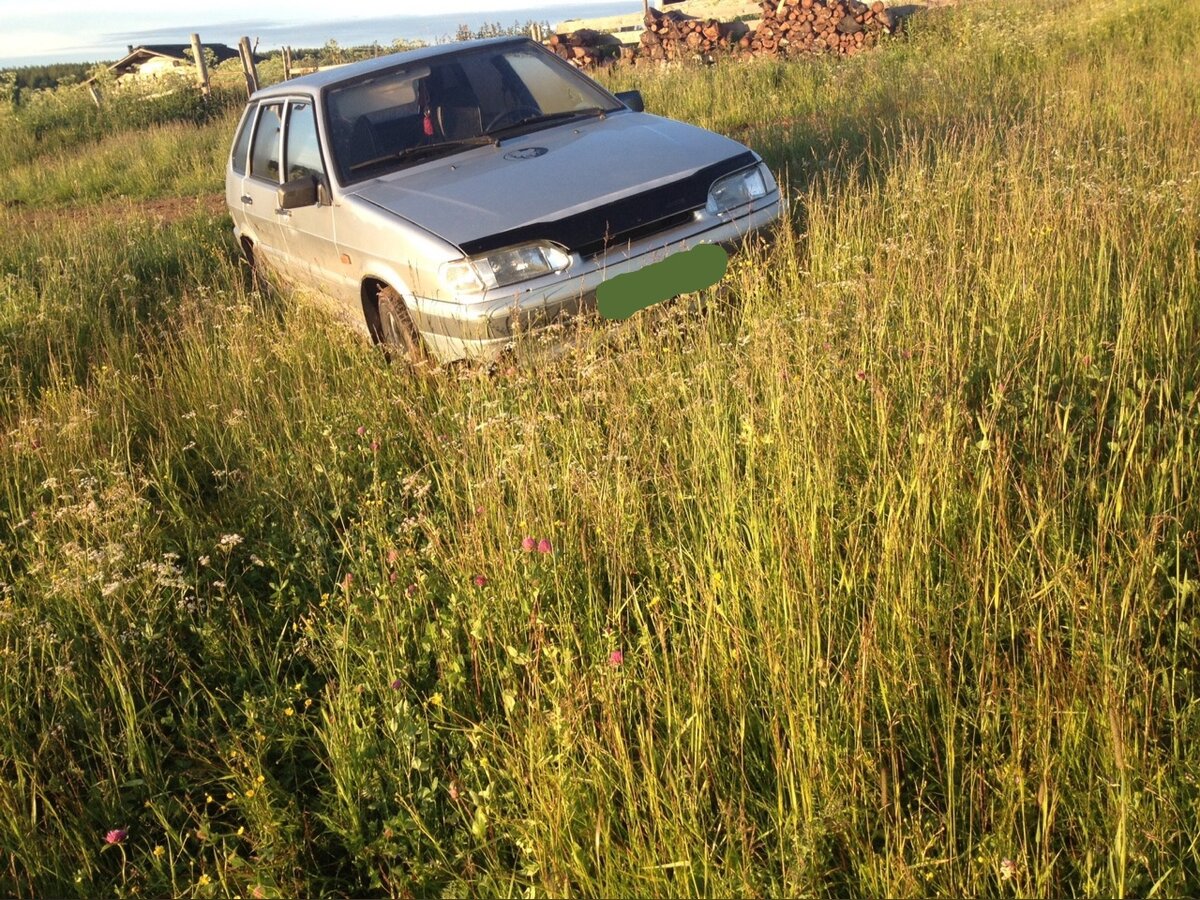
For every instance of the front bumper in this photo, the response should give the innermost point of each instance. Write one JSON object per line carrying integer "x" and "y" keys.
{"x": 484, "y": 326}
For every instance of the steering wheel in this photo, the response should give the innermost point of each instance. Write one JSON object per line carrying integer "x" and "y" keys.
{"x": 515, "y": 113}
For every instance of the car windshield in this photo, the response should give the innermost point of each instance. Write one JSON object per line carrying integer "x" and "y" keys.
{"x": 446, "y": 104}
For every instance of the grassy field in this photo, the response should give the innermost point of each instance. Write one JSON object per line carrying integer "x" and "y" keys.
{"x": 879, "y": 577}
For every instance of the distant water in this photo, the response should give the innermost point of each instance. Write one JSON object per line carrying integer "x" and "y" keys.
{"x": 103, "y": 34}
{"x": 385, "y": 29}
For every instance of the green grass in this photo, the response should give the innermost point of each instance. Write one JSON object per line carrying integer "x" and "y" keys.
{"x": 897, "y": 540}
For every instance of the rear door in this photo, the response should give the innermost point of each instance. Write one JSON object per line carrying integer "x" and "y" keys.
{"x": 261, "y": 185}
{"x": 235, "y": 171}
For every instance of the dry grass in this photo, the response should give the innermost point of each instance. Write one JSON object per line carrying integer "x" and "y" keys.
{"x": 895, "y": 545}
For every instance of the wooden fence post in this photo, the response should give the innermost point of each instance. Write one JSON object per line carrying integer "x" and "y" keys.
{"x": 248, "y": 65}
{"x": 287, "y": 63}
{"x": 201, "y": 66}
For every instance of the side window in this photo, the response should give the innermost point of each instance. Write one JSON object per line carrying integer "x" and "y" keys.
{"x": 303, "y": 153}
{"x": 264, "y": 158}
{"x": 242, "y": 143}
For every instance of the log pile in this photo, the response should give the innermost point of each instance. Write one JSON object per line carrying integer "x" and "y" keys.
{"x": 796, "y": 27}
{"x": 672, "y": 35}
{"x": 584, "y": 48}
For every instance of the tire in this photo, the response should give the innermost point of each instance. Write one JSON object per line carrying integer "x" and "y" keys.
{"x": 396, "y": 328}
{"x": 259, "y": 277}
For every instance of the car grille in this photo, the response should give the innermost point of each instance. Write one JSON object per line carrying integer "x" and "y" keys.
{"x": 597, "y": 248}
{"x": 623, "y": 220}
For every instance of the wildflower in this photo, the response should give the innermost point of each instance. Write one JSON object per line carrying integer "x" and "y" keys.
{"x": 479, "y": 510}
{"x": 204, "y": 881}
{"x": 861, "y": 374}
{"x": 392, "y": 576}
{"x": 229, "y": 541}
{"x": 159, "y": 851}
{"x": 454, "y": 791}
{"x": 410, "y": 590}
{"x": 528, "y": 544}
{"x": 544, "y": 546}
{"x": 397, "y": 684}
{"x": 479, "y": 580}
{"x": 374, "y": 446}
{"x": 249, "y": 793}
{"x": 348, "y": 580}
{"x": 1008, "y": 869}
{"x": 393, "y": 555}
{"x": 616, "y": 658}
{"x": 289, "y": 712}
{"x": 361, "y": 430}
{"x": 116, "y": 836}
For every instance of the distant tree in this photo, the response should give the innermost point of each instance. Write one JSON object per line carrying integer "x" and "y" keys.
{"x": 495, "y": 29}
{"x": 9, "y": 91}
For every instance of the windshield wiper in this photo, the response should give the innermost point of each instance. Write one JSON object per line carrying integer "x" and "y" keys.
{"x": 422, "y": 150}
{"x": 590, "y": 113}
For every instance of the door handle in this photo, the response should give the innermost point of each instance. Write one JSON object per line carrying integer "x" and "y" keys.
{"x": 283, "y": 212}
{"x": 247, "y": 199}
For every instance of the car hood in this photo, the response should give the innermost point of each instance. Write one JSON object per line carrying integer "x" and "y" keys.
{"x": 546, "y": 176}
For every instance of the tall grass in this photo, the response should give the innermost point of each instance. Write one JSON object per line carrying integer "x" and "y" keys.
{"x": 877, "y": 577}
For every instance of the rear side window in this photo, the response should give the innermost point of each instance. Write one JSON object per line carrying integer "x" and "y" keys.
{"x": 264, "y": 158}
{"x": 242, "y": 144}
{"x": 303, "y": 155}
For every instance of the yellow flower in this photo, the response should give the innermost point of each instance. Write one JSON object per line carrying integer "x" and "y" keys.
{"x": 289, "y": 712}
{"x": 249, "y": 793}
{"x": 261, "y": 779}
{"x": 159, "y": 851}
{"x": 436, "y": 699}
{"x": 204, "y": 880}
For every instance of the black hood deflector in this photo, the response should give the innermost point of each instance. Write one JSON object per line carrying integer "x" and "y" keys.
{"x": 593, "y": 230}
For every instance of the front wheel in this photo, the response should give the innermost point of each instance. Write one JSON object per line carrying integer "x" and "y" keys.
{"x": 396, "y": 328}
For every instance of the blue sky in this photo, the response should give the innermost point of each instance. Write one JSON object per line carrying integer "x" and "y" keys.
{"x": 72, "y": 29}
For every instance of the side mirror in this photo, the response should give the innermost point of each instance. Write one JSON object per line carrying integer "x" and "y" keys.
{"x": 632, "y": 99}
{"x": 299, "y": 192}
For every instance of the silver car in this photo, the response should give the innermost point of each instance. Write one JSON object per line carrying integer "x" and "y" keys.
{"x": 451, "y": 198}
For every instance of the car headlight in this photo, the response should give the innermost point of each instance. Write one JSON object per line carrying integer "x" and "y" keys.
{"x": 736, "y": 190}
{"x": 503, "y": 267}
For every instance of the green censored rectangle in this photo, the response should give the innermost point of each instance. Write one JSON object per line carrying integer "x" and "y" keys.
{"x": 684, "y": 273}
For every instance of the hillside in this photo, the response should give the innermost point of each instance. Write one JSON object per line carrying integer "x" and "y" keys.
{"x": 876, "y": 577}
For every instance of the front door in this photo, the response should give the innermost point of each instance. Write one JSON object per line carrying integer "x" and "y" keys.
{"x": 310, "y": 229}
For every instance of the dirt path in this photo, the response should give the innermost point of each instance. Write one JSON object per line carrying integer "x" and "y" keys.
{"x": 163, "y": 210}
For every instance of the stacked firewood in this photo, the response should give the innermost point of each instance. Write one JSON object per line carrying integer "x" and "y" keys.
{"x": 584, "y": 48}
{"x": 673, "y": 35}
{"x": 795, "y": 27}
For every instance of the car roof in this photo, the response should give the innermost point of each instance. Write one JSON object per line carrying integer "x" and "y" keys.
{"x": 312, "y": 84}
